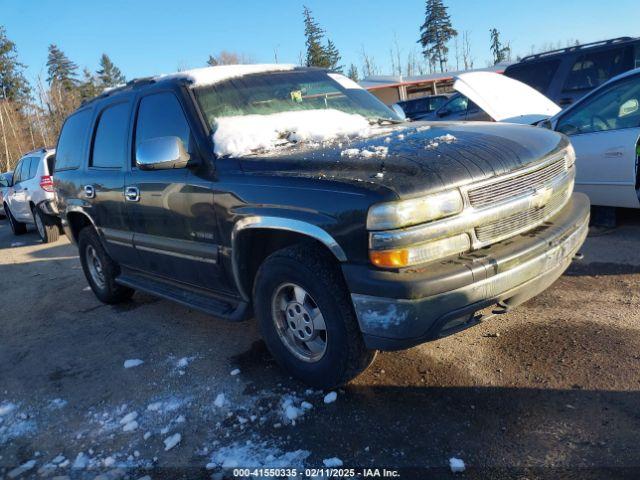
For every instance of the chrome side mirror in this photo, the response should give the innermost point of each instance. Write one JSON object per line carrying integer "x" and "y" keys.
{"x": 161, "y": 153}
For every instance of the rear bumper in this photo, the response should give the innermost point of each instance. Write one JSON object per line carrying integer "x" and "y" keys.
{"x": 398, "y": 310}
{"x": 49, "y": 207}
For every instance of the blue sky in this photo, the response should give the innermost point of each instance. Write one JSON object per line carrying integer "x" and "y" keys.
{"x": 145, "y": 37}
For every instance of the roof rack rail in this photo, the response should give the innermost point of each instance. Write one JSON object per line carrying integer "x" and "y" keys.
{"x": 577, "y": 47}
{"x": 136, "y": 82}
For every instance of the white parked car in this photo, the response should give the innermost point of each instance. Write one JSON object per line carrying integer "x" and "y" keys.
{"x": 603, "y": 126}
{"x": 30, "y": 198}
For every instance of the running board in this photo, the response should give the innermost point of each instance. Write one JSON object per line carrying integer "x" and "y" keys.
{"x": 229, "y": 309}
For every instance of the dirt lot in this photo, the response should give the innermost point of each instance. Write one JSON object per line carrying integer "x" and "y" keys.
{"x": 552, "y": 389}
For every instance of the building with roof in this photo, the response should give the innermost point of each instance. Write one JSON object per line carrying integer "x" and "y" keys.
{"x": 395, "y": 88}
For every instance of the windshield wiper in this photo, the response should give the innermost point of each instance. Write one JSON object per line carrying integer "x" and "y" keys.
{"x": 383, "y": 121}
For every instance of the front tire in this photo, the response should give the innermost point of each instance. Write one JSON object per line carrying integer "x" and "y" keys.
{"x": 100, "y": 270}
{"x": 18, "y": 228}
{"x": 306, "y": 317}
{"x": 46, "y": 226}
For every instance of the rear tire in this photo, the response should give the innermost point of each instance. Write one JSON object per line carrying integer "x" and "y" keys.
{"x": 295, "y": 287}
{"x": 18, "y": 228}
{"x": 46, "y": 226}
{"x": 100, "y": 270}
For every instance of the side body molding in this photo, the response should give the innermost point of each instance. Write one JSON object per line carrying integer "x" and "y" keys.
{"x": 278, "y": 223}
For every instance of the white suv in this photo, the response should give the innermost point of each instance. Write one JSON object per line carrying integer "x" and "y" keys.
{"x": 30, "y": 198}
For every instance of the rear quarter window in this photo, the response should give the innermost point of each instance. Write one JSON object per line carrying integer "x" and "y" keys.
{"x": 33, "y": 168}
{"x": 72, "y": 141}
{"x": 590, "y": 70}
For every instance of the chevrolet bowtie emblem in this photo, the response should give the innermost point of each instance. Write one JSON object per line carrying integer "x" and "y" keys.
{"x": 541, "y": 197}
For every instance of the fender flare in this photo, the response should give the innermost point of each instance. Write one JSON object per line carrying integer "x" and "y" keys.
{"x": 278, "y": 223}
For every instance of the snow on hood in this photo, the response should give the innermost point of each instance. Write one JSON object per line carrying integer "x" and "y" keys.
{"x": 211, "y": 75}
{"x": 241, "y": 135}
{"x": 505, "y": 99}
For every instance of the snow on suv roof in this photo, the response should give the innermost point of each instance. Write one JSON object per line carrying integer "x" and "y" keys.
{"x": 211, "y": 75}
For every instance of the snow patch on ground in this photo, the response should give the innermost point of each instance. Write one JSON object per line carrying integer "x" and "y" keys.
{"x": 237, "y": 136}
{"x": 330, "y": 397}
{"x": 234, "y": 372}
{"x": 13, "y": 423}
{"x": 57, "y": 403}
{"x": 172, "y": 441}
{"x": 220, "y": 400}
{"x": 134, "y": 362}
{"x": 456, "y": 465}
{"x": 332, "y": 462}
{"x": 256, "y": 455}
{"x": 25, "y": 467}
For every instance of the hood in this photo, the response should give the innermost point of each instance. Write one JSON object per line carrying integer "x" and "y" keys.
{"x": 413, "y": 158}
{"x": 505, "y": 99}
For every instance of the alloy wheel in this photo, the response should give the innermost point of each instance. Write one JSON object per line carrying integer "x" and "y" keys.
{"x": 299, "y": 322}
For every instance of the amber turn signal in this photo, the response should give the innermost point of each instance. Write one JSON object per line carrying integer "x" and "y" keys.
{"x": 390, "y": 258}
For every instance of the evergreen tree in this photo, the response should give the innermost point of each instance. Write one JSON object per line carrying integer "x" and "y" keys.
{"x": 13, "y": 84}
{"x": 61, "y": 70}
{"x": 109, "y": 75}
{"x": 333, "y": 56}
{"x": 88, "y": 87}
{"x": 316, "y": 55}
{"x": 436, "y": 31}
{"x": 353, "y": 73}
{"x": 319, "y": 54}
{"x": 212, "y": 61}
{"x": 500, "y": 53}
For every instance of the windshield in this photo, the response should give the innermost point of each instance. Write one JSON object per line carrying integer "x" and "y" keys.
{"x": 290, "y": 91}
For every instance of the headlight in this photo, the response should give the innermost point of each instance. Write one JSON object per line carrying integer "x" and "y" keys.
{"x": 417, "y": 254}
{"x": 404, "y": 213}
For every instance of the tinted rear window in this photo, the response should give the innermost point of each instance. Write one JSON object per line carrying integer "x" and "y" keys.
{"x": 72, "y": 140}
{"x": 110, "y": 142}
{"x": 591, "y": 70}
{"x": 537, "y": 75}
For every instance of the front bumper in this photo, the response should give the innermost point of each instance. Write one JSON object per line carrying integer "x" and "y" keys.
{"x": 398, "y": 310}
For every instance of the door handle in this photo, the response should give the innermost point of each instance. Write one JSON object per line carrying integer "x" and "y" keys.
{"x": 565, "y": 101}
{"x": 89, "y": 191}
{"x": 613, "y": 153}
{"x": 132, "y": 194}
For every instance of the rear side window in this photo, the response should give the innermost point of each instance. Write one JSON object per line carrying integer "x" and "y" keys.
{"x": 72, "y": 140}
{"x": 591, "y": 70}
{"x": 160, "y": 115}
{"x": 537, "y": 75}
{"x": 33, "y": 168}
{"x": 110, "y": 141}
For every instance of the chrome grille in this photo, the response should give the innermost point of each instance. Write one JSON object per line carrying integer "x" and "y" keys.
{"x": 521, "y": 221}
{"x": 499, "y": 191}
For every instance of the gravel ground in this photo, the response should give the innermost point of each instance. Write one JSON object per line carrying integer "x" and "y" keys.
{"x": 551, "y": 389}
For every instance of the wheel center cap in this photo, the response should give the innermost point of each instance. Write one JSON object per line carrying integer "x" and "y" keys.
{"x": 299, "y": 321}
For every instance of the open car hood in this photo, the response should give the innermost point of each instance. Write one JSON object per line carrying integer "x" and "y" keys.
{"x": 505, "y": 99}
